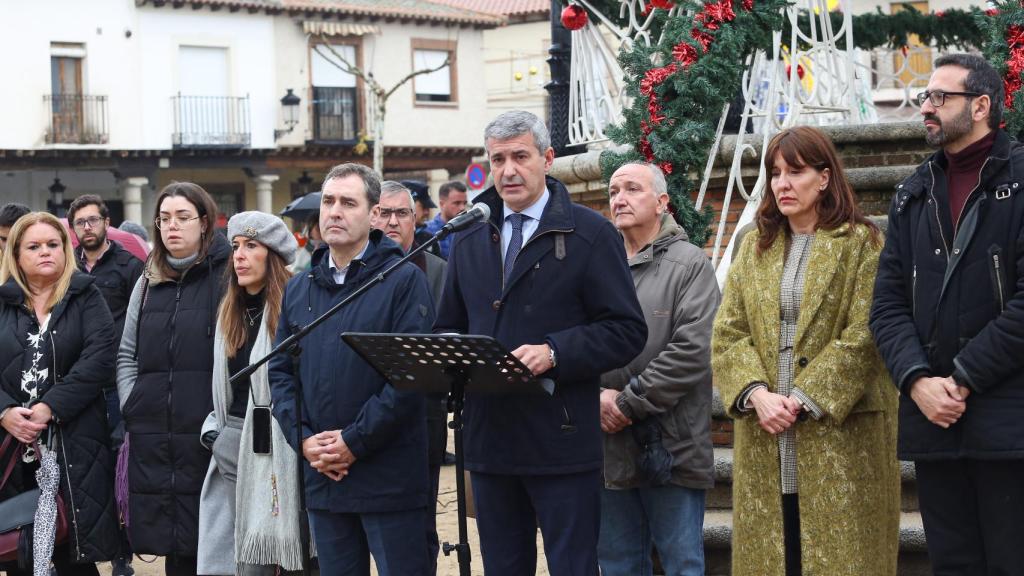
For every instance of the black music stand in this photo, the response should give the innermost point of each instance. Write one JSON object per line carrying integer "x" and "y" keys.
{"x": 446, "y": 364}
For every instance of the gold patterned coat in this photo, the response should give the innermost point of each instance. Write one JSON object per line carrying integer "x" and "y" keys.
{"x": 848, "y": 476}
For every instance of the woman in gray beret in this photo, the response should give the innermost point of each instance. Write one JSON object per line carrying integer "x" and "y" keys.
{"x": 249, "y": 503}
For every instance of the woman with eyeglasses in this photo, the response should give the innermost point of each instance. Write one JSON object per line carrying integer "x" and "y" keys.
{"x": 248, "y": 511}
{"x": 57, "y": 350}
{"x": 164, "y": 372}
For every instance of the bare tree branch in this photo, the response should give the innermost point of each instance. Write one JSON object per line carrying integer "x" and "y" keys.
{"x": 416, "y": 73}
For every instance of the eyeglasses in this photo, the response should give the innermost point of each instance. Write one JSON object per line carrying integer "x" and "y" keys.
{"x": 90, "y": 222}
{"x": 400, "y": 213}
{"x": 178, "y": 221}
{"x": 938, "y": 97}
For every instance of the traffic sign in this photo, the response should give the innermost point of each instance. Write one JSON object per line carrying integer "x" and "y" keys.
{"x": 476, "y": 177}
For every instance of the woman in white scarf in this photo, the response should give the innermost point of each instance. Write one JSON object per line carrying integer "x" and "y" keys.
{"x": 249, "y": 501}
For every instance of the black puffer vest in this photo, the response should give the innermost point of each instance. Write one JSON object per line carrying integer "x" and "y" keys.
{"x": 167, "y": 406}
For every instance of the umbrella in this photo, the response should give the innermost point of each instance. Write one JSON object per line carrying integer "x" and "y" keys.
{"x": 301, "y": 209}
{"x": 129, "y": 241}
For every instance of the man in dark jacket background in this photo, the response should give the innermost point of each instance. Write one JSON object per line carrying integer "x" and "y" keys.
{"x": 548, "y": 279}
{"x": 948, "y": 318}
{"x": 116, "y": 271}
{"x": 660, "y": 404}
{"x": 395, "y": 216}
{"x": 365, "y": 441}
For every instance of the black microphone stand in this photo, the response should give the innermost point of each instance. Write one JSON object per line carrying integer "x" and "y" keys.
{"x": 290, "y": 345}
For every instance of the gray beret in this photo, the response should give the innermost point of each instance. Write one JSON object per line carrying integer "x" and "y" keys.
{"x": 266, "y": 229}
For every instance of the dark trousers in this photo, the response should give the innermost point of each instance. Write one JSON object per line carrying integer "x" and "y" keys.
{"x": 63, "y": 565}
{"x": 973, "y": 512}
{"x": 566, "y": 506}
{"x": 433, "y": 544}
{"x": 791, "y": 533}
{"x": 181, "y": 566}
{"x": 396, "y": 540}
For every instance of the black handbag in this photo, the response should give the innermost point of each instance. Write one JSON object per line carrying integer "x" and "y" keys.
{"x": 18, "y": 513}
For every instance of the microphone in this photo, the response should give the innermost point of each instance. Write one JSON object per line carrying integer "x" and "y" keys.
{"x": 480, "y": 212}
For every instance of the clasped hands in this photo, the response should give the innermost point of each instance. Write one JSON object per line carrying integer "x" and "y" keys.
{"x": 775, "y": 412}
{"x": 941, "y": 400}
{"x": 26, "y": 424}
{"x": 328, "y": 454}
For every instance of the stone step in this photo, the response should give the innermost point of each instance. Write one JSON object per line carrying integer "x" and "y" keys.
{"x": 913, "y": 557}
{"x": 720, "y": 497}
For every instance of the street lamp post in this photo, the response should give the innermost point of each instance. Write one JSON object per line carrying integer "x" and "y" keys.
{"x": 56, "y": 206}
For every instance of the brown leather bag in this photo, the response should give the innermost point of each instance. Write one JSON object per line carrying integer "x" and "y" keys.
{"x": 17, "y": 514}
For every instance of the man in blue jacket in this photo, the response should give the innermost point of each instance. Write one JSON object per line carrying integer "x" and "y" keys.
{"x": 364, "y": 440}
{"x": 548, "y": 279}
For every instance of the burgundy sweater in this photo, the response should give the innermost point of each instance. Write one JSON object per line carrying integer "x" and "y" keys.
{"x": 964, "y": 171}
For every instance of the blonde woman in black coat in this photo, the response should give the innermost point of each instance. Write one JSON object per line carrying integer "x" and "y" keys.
{"x": 57, "y": 354}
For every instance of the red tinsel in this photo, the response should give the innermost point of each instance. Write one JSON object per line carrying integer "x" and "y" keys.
{"x": 1015, "y": 36}
{"x": 702, "y": 37}
{"x": 1010, "y": 87}
{"x": 666, "y": 167}
{"x": 646, "y": 150}
{"x": 574, "y": 17}
{"x": 656, "y": 76}
{"x": 720, "y": 11}
{"x": 1015, "y": 63}
{"x": 685, "y": 53}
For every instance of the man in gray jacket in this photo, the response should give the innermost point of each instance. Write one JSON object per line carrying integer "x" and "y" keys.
{"x": 656, "y": 412}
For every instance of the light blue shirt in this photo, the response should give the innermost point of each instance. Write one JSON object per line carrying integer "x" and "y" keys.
{"x": 530, "y": 224}
{"x": 340, "y": 273}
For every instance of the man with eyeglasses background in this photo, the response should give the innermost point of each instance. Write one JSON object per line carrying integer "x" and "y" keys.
{"x": 116, "y": 271}
{"x": 948, "y": 318}
{"x": 395, "y": 215}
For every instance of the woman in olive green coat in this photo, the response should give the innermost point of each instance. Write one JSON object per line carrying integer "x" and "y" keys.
{"x": 815, "y": 476}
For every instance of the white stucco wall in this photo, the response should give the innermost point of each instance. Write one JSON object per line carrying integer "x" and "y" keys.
{"x": 389, "y": 57}
{"x": 249, "y": 40}
{"x": 26, "y": 31}
{"x": 517, "y": 48}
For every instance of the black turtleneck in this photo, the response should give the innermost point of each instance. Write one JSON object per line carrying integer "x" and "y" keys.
{"x": 963, "y": 172}
{"x": 240, "y": 391}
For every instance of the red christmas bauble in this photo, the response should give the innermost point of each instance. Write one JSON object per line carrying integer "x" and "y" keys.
{"x": 574, "y": 17}
{"x": 663, "y": 4}
{"x": 799, "y": 71}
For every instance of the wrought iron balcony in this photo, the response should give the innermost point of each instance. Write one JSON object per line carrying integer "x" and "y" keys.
{"x": 76, "y": 119}
{"x": 210, "y": 121}
{"x": 335, "y": 114}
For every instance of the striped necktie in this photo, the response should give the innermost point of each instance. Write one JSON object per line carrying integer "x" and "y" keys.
{"x": 515, "y": 243}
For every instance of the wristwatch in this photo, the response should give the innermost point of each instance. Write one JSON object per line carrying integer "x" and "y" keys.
{"x": 551, "y": 356}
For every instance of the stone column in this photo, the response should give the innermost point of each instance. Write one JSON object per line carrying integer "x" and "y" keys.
{"x": 265, "y": 192}
{"x": 435, "y": 178}
{"x": 133, "y": 199}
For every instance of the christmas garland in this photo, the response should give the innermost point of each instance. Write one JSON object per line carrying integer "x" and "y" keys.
{"x": 682, "y": 84}
{"x": 1005, "y": 50}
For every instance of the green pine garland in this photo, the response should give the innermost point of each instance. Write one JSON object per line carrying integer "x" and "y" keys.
{"x": 691, "y": 99}
{"x": 1005, "y": 24}
{"x": 679, "y": 89}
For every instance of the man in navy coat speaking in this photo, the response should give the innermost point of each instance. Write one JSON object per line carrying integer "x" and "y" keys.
{"x": 548, "y": 279}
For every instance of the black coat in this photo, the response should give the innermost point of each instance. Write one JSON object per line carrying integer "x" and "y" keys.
{"x": 384, "y": 427}
{"x": 82, "y": 354}
{"x": 570, "y": 288}
{"x": 165, "y": 411}
{"x": 948, "y": 303}
{"x": 116, "y": 273}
